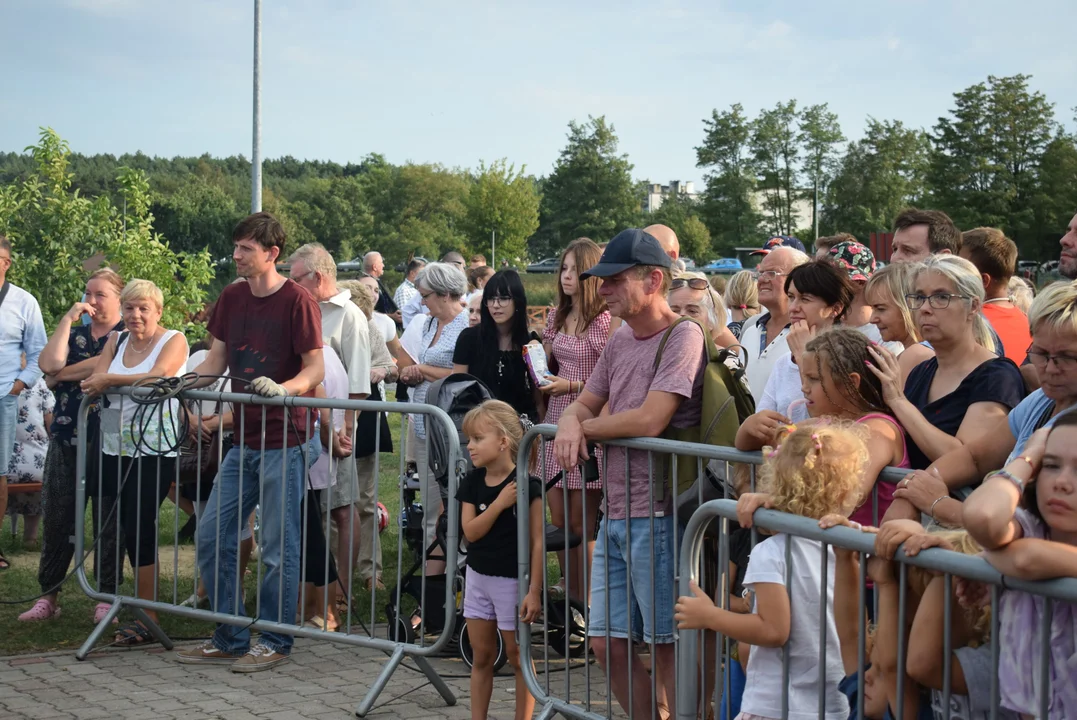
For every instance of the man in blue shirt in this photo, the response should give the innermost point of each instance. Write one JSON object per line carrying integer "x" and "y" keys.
{"x": 21, "y": 332}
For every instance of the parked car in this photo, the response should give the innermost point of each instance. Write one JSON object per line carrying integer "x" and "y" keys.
{"x": 723, "y": 265}
{"x": 689, "y": 264}
{"x": 549, "y": 265}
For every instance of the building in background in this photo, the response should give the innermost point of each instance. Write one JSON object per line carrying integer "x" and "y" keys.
{"x": 657, "y": 193}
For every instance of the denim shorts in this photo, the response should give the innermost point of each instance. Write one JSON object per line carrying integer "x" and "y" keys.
{"x": 650, "y": 608}
{"x": 492, "y": 598}
{"x": 9, "y": 414}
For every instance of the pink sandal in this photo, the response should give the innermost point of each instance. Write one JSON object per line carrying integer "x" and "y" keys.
{"x": 99, "y": 613}
{"x": 43, "y": 609}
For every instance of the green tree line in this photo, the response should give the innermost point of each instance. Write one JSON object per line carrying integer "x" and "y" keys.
{"x": 999, "y": 156}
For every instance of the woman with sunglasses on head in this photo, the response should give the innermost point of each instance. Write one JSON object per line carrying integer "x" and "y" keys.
{"x": 492, "y": 350}
{"x": 965, "y": 389}
{"x": 691, "y": 295}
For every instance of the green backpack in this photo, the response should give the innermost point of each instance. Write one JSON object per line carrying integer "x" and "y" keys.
{"x": 727, "y": 402}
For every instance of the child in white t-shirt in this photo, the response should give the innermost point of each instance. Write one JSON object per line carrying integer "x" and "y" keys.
{"x": 816, "y": 471}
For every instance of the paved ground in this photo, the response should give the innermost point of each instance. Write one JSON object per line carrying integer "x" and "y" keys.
{"x": 323, "y": 680}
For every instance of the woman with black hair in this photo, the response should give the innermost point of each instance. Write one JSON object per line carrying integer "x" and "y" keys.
{"x": 492, "y": 351}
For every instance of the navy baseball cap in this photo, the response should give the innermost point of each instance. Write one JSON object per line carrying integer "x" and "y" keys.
{"x": 777, "y": 241}
{"x": 628, "y": 249}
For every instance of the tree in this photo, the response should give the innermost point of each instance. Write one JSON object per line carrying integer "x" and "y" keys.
{"x": 726, "y": 206}
{"x": 504, "y": 201}
{"x": 198, "y": 215}
{"x": 986, "y": 155}
{"x": 1056, "y": 201}
{"x": 820, "y": 135}
{"x": 879, "y": 176}
{"x": 776, "y": 152}
{"x": 681, "y": 213}
{"x": 54, "y": 230}
{"x": 590, "y": 192}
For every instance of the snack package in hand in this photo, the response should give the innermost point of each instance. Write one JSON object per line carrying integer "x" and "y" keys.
{"x": 535, "y": 357}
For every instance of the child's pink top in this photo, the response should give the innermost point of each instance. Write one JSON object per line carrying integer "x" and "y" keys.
{"x": 883, "y": 488}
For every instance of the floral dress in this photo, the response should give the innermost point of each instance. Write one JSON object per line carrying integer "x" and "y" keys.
{"x": 31, "y": 443}
{"x": 576, "y": 359}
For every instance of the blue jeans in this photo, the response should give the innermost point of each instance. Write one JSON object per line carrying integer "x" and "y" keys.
{"x": 9, "y": 413}
{"x": 278, "y": 486}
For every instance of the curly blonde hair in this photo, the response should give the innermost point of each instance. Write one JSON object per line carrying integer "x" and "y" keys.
{"x": 816, "y": 469}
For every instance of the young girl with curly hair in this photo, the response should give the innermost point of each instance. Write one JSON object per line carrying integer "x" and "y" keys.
{"x": 814, "y": 472}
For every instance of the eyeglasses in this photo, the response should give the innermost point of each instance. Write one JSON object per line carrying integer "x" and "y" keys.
{"x": 304, "y": 276}
{"x": 1039, "y": 359}
{"x": 938, "y": 301}
{"x": 426, "y": 296}
{"x": 693, "y": 283}
{"x": 767, "y": 274}
{"x": 498, "y": 301}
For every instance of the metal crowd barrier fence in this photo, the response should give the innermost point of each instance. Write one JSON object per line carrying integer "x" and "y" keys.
{"x": 681, "y": 671}
{"x": 945, "y": 562}
{"x": 410, "y": 628}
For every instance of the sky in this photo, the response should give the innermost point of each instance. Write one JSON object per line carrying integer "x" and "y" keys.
{"x": 461, "y": 82}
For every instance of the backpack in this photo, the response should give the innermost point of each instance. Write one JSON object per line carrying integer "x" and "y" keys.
{"x": 727, "y": 402}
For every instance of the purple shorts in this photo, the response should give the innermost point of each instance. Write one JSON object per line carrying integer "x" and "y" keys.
{"x": 491, "y": 598}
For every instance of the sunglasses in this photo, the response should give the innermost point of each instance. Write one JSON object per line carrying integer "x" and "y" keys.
{"x": 693, "y": 283}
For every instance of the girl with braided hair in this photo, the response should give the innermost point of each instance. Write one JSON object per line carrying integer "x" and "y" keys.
{"x": 837, "y": 383}
{"x": 814, "y": 472}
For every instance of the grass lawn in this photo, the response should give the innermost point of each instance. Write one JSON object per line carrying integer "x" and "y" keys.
{"x": 176, "y": 570}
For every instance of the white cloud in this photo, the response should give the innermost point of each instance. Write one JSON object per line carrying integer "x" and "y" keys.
{"x": 893, "y": 44}
{"x": 777, "y": 29}
{"x": 105, "y": 7}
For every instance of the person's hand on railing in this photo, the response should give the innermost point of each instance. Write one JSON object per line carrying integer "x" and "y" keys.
{"x": 922, "y": 489}
{"x": 531, "y": 607}
{"x": 96, "y": 384}
{"x": 694, "y": 612}
{"x": 748, "y": 503}
{"x": 267, "y": 388}
{"x": 916, "y": 543}
{"x": 1032, "y": 559}
{"x": 888, "y": 371}
{"x": 570, "y": 444}
{"x": 764, "y": 425}
{"x": 893, "y": 534}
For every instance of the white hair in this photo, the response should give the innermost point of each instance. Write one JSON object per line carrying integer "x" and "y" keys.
{"x": 316, "y": 259}
{"x": 444, "y": 279}
{"x": 368, "y": 259}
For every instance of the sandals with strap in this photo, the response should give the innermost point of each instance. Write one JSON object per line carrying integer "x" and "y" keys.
{"x": 134, "y": 633}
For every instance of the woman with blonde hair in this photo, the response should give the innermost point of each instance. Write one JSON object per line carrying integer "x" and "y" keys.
{"x": 576, "y": 333}
{"x": 965, "y": 389}
{"x": 691, "y": 295}
{"x": 139, "y": 452}
{"x": 885, "y": 294}
{"x": 742, "y": 299}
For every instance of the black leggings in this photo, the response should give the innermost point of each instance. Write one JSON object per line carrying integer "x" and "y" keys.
{"x": 146, "y": 481}
{"x": 315, "y": 546}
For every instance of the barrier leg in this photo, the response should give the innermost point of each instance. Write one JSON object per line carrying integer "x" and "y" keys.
{"x": 548, "y": 711}
{"x": 436, "y": 681}
{"x": 367, "y": 703}
{"x": 100, "y": 630}
{"x": 155, "y": 629}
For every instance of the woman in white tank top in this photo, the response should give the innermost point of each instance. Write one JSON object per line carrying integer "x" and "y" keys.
{"x": 141, "y": 457}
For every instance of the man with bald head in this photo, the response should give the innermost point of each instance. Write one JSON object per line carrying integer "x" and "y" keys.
{"x": 374, "y": 266}
{"x": 764, "y": 336}
{"x": 666, "y": 238}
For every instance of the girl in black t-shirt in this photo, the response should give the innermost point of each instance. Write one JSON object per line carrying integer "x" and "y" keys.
{"x": 488, "y": 520}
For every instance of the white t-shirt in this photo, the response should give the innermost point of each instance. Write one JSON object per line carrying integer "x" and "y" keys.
{"x": 763, "y": 692}
{"x": 783, "y": 389}
{"x": 761, "y": 362}
{"x": 385, "y": 324}
{"x": 336, "y": 388}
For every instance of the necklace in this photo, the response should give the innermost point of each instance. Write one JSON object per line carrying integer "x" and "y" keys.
{"x": 139, "y": 351}
{"x": 997, "y": 300}
{"x": 500, "y": 368}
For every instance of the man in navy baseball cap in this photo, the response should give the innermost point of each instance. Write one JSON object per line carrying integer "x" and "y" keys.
{"x": 628, "y": 249}
{"x": 777, "y": 241}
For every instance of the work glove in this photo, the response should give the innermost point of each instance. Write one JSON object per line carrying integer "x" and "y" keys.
{"x": 267, "y": 388}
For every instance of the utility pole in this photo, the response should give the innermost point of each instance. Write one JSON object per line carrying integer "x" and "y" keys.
{"x": 256, "y": 152}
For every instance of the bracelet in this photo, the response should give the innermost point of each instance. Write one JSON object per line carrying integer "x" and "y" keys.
{"x": 931, "y": 511}
{"x": 1026, "y": 459}
{"x": 1009, "y": 476}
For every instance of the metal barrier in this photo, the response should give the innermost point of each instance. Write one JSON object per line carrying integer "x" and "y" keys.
{"x": 682, "y": 681}
{"x": 399, "y": 631}
{"x": 948, "y": 563}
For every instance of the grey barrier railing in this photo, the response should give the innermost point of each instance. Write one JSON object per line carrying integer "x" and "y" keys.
{"x": 407, "y": 634}
{"x": 588, "y": 697}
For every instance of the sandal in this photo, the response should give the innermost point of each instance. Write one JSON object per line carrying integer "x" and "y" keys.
{"x": 43, "y": 609}
{"x": 4, "y": 563}
{"x": 132, "y": 634}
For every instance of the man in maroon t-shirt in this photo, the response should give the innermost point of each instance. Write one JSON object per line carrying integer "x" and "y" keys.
{"x": 269, "y": 336}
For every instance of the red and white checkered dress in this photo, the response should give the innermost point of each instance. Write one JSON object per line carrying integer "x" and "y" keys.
{"x": 576, "y": 359}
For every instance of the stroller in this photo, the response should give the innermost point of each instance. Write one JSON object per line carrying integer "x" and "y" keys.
{"x": 456, "y": 394}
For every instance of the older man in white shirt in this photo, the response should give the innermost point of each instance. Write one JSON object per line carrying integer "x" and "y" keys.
{"x": 345, "y": 329}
